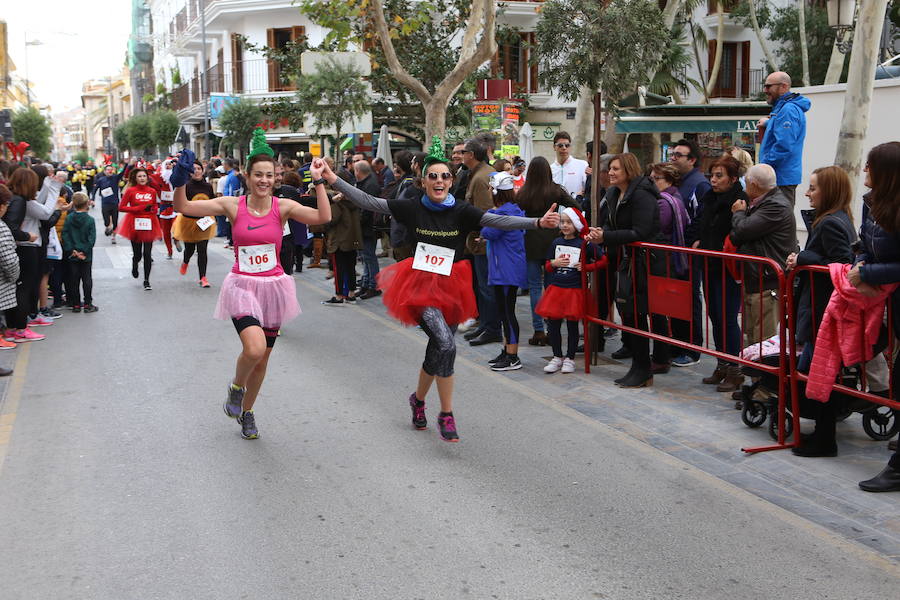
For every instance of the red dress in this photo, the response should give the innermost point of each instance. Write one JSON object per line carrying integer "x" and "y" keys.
{"x": 139, "y": 202}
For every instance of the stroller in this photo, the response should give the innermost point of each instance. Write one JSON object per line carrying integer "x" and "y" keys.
{"x": 760, "y": 399}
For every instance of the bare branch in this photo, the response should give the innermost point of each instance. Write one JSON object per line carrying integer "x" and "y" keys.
{"x": 402, "y": 75}
{"x": 469, "y": 59}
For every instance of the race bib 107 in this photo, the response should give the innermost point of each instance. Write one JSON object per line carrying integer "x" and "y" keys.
{"x": 434, "y": 259}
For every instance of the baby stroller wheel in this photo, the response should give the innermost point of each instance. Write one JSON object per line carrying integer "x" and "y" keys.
{"x": 754, "y": 413}
{"x": 881, "y": 423}
{"x": 773, "y": 422}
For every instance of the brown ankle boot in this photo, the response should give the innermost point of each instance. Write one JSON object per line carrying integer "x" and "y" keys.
{"x": 718, "y": 375}
{"x": 318, "y": 247}
{"x": 538, "y": 339}
{"x": 732, "y": 381}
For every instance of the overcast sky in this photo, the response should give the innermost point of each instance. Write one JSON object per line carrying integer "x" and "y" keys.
{"x": 81, "y": 41}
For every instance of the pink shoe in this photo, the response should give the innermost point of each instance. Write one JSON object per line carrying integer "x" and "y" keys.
{"x": 40, "y": 321}
{"x": 27, "y": 335}
{"x": 9, "y": 335}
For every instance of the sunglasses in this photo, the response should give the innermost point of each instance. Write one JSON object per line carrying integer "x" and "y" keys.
{"x": 768, "y": 85}
{"x": 678, "y": 155}
{"x": 563, "y": 145}
{"x": 445, "y": 176}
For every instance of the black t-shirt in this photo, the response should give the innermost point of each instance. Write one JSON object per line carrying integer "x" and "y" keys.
{"x": 447, "y": 228}
{"x": 287, "y": 191}
{"x": 198, "y": 190}
{"x": 569, "y": 277}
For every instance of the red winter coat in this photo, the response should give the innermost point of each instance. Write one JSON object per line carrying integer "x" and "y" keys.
{"x": 847, "y": 334}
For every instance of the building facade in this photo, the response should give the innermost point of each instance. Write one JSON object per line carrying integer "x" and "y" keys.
{"x": 107, "y": 104}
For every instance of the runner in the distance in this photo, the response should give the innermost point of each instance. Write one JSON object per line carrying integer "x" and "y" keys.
{"x": 256, "y": 295}
{"x": 433, "y": 289}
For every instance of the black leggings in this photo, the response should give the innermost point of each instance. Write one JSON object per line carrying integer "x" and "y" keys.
{"x": 200, "y": 246}
{"x": 80, "y": 274}
{"x": 440, "y": 354}
{"x": 344, "y": 264}
{"x": 554, "y": 330}
{"x": 26, "y": 287}
{"x": 110, "y": 215}
{"x": 145, "y": 248}
{"x": 505, "y": 297}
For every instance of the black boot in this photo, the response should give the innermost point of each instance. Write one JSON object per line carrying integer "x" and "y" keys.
{"x": 636, "y": 377}
{"x": 886, "y": 481}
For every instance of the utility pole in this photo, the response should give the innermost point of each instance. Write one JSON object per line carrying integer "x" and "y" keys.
{"x": 109, "y": 115}
{"x": 204, "y": 82}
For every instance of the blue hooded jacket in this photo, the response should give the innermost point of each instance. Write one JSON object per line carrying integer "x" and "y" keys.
{"x": 506, "y": 250}
{"x": 782, "y": 144}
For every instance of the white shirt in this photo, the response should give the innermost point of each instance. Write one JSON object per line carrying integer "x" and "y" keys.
{"x": 571, "y": 175}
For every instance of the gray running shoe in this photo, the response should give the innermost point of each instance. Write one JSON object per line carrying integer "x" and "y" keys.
{"x": 248, "y": 425}
{"x": 233, "y": 402}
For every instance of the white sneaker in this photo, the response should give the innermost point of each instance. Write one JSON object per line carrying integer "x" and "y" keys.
{"x": 466, "y": 325}
{"x": 554, "y": 365}
{"x": 568, "y": 365}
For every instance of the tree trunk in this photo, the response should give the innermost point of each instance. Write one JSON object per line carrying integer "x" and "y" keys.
{"x": 835, "y": 66}
{"x": 759, "y": 36}
{"x": 720, "y": 35}
{"x": 804, "y": 44}
{"x": 435, "y": 120}
{"x": 584, "y": 116}
{"x": 860, "y": 81}
{"x": 670, "y": 12}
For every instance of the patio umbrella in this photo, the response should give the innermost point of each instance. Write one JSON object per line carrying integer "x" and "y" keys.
{"x": 526, "y": 143}
{"x": 384, "y": 146}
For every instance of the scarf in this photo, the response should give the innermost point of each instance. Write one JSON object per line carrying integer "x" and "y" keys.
{"x": 447, "y": 204}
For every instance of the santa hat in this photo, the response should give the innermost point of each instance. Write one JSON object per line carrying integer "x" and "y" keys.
{"x": 577, "y": 218}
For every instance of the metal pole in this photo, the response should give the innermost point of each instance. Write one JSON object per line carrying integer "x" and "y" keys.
{"x": 27, "y": 83}
{"x": 109, "y": 133}
{"x": 204, "y": 84}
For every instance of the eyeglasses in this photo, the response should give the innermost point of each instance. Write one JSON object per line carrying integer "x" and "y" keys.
{"x": 678, "y": 155}
{"x": 445, "y": 176}
{"x": 563, "y": 145}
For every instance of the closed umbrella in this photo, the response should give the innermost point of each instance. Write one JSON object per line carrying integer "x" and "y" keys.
{"x": 384, "y": 146}
{"x": 526, "y": 143}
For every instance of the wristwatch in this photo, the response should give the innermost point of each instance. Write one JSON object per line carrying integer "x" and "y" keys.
{"x": 319, "y": 181}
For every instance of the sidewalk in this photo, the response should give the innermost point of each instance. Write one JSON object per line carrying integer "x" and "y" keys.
{"x": 692, "y": 422}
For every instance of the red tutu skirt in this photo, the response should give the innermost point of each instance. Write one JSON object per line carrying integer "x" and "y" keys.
{"x": 408, "y": 291}
{"x": 127, "y": 230}
{"x": 564, "y": 303}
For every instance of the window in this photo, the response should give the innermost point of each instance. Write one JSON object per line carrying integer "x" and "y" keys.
{"x": 279, "y": 38}
{"x": 512, "y": 62}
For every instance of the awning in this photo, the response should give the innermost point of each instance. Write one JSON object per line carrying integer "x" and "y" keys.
{"x": 663, "y": 124}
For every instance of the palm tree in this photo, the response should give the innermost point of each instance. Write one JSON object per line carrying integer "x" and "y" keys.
{"x": 671, "y": 77}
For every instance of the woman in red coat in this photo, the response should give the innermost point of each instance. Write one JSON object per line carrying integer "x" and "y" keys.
{"x": 141, "y": 224}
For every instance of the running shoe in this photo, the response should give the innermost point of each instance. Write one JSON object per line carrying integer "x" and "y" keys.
{"x": 114, "y": 240}
{"x": 447, "y": 425}
{"x": 351, "y": 300}
{"x": 9, "y": 335}
{"x": 204, "y": 283}
{"x": 76, "y": 308}
{"x": 147, "y": 286}
{"x": 39, "y": 321}
{"x": 568, "y": 365}
{"x": 26, "y": 335}
{"x": 178, "y": 245}
{"x": 248, "y": 425}
{"x": 466, "y": 325}
{"x": 498, "y": 358}
{"x": 50, "y": 313}
{"x": 90, "y": 308}
{"x": 183, "y": 268}
{"x": 554, "y": 365}
{"x": 418, "y": 412}
{"x": 508, "y": 363}
{"x": 108, "y": 230}
{"x": 685, "y": 361}
{"x": 4, "y": 345}
{"x": 233, "y": 402}
{"x": 333, "y": 302}
{"x": 169, "y": 256}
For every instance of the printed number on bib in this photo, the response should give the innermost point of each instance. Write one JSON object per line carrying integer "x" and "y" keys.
{"x": 143, "y": 224}
{"x": 106, "y": 192}
{"x": 167, "y": 196}
{"x": 205, "y": 223}
{"x": 434, "y": 259}
{"x": 257, "y": 259}
{"x": 570, "y": 252}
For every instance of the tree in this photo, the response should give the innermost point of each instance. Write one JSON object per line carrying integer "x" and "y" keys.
{"x": 29, "y": 125}
{"x": 720, "y": 46}
{"x": 754, "y": 22}
{"x": 333, "y": 97}
{"x": 804, "y": 43}
{"x": 140, "y": 138}
{"x": 667, "y": 81}
{"x": 163, "y": 129}
{"x": 238, "y": 120}
{"x": 425, "y": 50}
{"x": 120, "y": 136}
{"x": 81, "y": 157}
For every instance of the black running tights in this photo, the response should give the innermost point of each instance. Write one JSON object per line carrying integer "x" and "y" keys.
{"x": 138, "y": 249}
{"x": 554, "y": 331}
{"x": 440, "y": 354}
{"x": 505, "y": 299}
{"x": 200, "y": 247}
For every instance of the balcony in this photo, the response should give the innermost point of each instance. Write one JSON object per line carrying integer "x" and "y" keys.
{"x": 738, "y": 83}
{"x": 246, "y": 77}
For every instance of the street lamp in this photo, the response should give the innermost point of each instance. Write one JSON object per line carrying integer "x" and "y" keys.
{"x": 840, "y": 18}
{"x": 27, "y": 83}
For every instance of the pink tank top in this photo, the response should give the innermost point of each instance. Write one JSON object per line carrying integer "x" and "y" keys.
{"x": 252, "y": 236}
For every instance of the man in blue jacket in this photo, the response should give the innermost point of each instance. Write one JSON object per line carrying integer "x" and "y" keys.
{"x": 785, "y": 131}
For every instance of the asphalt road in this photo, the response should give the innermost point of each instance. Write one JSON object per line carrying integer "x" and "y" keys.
{"x": 121, "y": 478}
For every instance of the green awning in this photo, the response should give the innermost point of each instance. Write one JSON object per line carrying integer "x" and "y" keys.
{"x": 641, "y": 124}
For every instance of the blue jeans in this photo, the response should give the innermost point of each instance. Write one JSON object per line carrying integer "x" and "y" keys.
{"x": 487, "y": 309}
{"x": 223, "y": 227}
{"x": 370, "y": 263}
{"x": 536, "y": 290}
{"x": 732, "y": 303}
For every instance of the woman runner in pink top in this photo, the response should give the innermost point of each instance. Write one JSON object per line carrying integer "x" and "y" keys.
{"x": 256, "y": 295}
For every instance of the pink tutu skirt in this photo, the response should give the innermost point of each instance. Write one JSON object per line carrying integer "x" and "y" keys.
{"x": 272, "y": 300}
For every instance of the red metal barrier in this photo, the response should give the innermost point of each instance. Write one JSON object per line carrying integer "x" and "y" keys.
{"x": 671, "y": 297}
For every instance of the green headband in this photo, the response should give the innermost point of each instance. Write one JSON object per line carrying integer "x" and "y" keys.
{"x": 258, "y": 144}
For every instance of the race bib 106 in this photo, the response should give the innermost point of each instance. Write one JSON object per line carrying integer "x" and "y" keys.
{"x": 434, "y": 259}
{"x": 257, "y": 259}
{"x": 143, "y": 224}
